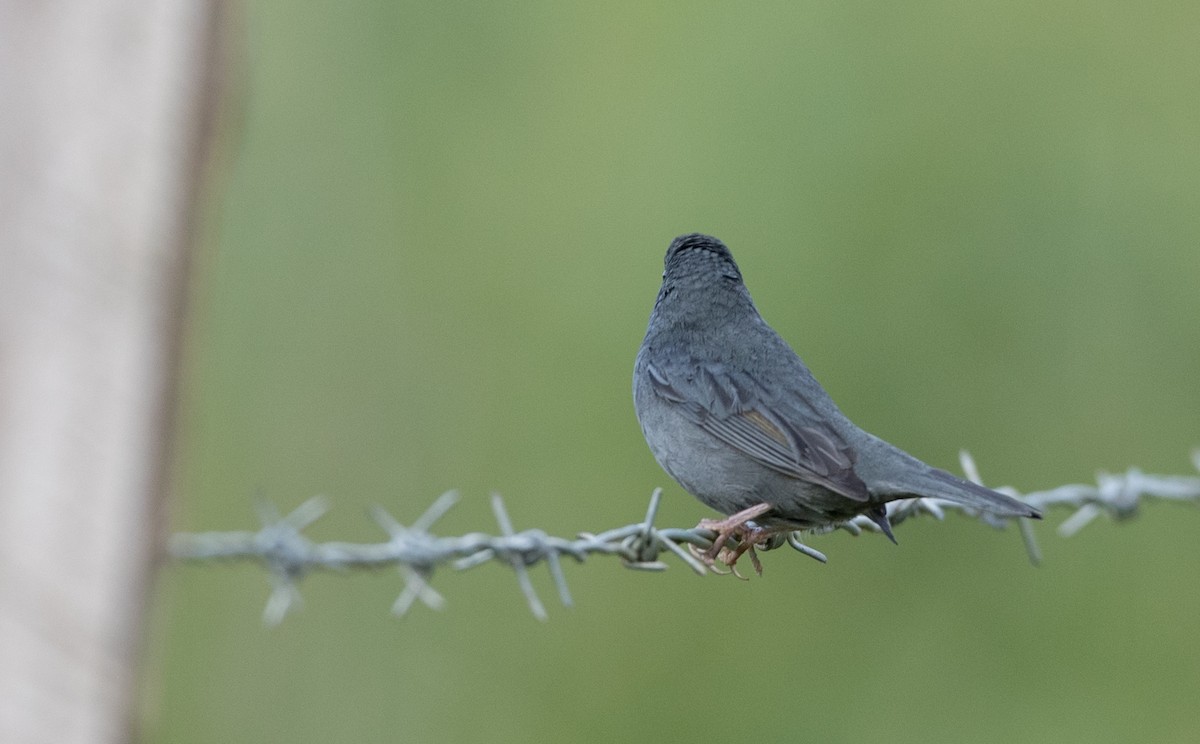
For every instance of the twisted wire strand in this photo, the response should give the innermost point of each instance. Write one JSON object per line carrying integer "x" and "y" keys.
{"x": 280, "y": 545}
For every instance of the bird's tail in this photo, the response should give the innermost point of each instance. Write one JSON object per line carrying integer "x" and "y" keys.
{"x": 900, "y": 475}
{"x": 942, "y": 485}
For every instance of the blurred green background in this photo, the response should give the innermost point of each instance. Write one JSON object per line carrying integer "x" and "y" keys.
{"x": 429, "y": 260}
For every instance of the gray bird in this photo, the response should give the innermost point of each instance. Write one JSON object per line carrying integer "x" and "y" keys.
{"x": 732, "y": 413}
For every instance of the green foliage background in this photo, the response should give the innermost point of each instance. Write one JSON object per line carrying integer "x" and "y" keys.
{"x": 431, "y": 253}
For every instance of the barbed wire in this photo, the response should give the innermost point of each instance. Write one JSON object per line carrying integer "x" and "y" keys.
{"x": 280, "y": 545}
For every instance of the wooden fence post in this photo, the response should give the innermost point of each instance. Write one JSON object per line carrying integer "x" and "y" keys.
{"x": 105, "y": 108}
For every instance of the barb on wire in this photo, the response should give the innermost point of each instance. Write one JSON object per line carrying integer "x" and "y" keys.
{"x": 415, "y": 552}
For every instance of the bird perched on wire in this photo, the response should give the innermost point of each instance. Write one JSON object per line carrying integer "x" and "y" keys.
{"x": 732, "y": 413}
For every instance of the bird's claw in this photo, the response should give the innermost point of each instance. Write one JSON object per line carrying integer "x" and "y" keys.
{"x": 739, "y": 526}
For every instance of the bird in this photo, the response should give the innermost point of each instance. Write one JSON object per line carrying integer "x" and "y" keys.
{"x": 731, "y": 413}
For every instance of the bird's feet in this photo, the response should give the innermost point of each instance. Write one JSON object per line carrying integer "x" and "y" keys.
{"x": 735, "y": 525}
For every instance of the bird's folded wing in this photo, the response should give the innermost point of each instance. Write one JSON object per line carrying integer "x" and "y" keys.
{"x": 733, "y": 408}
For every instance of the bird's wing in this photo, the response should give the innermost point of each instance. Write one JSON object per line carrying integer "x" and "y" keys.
{"x": 734, "y": 407}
